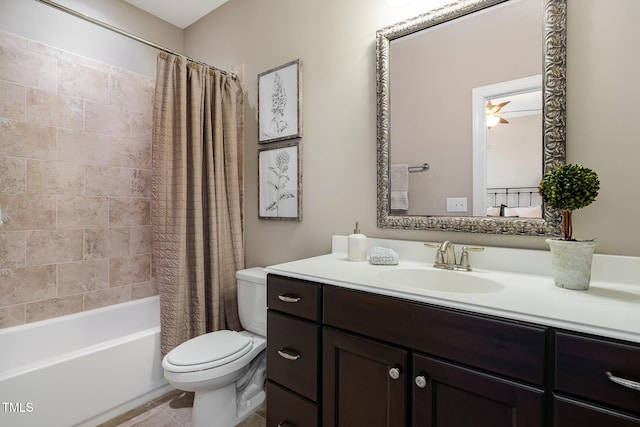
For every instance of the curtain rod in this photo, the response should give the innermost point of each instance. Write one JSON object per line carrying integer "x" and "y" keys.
{"x": 127, "y": 34}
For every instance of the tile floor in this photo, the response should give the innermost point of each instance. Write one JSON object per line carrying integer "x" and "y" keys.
{"x": 171, "y": 410}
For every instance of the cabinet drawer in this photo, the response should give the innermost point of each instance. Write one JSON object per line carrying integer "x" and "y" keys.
{"x": 287, "y": 409}
{"x": 582, "y": 364}
{"x": 294, "y": 296}
{"x": 512, "y": 349}
{"x": 568, "y": 413}
{"x": 292, "y": 353}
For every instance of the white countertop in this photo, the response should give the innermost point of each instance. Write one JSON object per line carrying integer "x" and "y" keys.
{"x": 609, "y": 308}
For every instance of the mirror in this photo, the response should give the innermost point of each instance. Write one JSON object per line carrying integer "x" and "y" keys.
{"x": 445, "y": 125}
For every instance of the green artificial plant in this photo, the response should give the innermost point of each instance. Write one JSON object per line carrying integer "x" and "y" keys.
{"x": 569, "y": 187}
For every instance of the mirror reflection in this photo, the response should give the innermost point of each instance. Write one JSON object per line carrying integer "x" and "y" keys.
{"x": 443, "y": 77}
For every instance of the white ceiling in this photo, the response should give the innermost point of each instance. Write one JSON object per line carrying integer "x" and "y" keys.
{"x": 181, "y": 13}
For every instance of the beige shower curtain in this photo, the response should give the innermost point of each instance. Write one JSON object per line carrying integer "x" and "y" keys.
{"x": 196, "y": 210}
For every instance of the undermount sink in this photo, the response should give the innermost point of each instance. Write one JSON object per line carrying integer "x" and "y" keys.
{"x": 440, "y": 280}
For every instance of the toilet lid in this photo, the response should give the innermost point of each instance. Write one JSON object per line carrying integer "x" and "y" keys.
{"x": 212, "y": 349}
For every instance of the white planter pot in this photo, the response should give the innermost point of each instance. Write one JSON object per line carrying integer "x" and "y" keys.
{"x": 571, "y": 263}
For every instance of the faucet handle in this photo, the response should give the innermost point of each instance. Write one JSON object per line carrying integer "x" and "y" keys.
{"x": 464, "y": 257}
{"x": 439, "y": 262}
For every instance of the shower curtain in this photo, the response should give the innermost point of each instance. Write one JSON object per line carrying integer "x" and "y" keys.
{"x": 196, "y": 208}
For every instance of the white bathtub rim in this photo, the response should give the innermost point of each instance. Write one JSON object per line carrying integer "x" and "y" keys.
{"x": 11, "y": 365}
{"x": 25, "y": 369}
{"x": 74, "y": 316}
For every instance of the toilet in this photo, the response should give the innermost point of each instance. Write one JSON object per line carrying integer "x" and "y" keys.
{"x": 226, "y": 369}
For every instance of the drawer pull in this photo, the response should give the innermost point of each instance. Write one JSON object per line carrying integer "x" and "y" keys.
{"x": 624, "y": 382}
{"x": 288, "y": 298}
{"x": 286, "y": 354}
{"x": 394, "y": 373}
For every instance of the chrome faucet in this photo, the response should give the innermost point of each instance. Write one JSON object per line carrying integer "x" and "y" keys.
{"x": 446, "y": 256}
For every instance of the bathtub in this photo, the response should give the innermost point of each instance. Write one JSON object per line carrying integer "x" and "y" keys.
{"x": 81, "y": 369}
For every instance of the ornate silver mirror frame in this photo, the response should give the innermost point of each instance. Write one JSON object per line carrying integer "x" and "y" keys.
{"x": 554, "y": 105}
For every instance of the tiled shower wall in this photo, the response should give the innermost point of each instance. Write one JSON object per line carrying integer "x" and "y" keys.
{"x": 75, "y": 183}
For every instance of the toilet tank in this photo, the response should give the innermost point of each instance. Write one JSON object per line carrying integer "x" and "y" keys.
{"x": 252, "y": 300}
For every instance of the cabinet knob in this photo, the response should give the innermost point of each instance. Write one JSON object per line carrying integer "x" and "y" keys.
{"x": 421, "y": 381}
{"x": 288, "y": 298}
{"x": 394, "y": 373}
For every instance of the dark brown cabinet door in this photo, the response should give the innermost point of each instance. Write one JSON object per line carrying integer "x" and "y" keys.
{"x": 447, "y": 395}
{"x": 364, "y": 382}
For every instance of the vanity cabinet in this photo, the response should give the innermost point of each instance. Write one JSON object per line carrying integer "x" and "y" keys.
{"x": 293, "y": 331}
{"x": 583, "y": 392}
{"x": 338, "y": 357}
{"x": 390, "y": 362}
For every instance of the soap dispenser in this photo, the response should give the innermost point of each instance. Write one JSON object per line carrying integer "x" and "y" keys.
{"x": 357, "y": 245}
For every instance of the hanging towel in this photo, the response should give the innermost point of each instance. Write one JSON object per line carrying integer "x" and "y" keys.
{"x": 400, "y": 187}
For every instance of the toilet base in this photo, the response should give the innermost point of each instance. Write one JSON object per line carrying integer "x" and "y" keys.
{"x": 218, "y": 408}
{"x": 230, "y": 405}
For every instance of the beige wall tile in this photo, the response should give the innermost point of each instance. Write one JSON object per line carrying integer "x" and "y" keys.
{"x": 47, "y": 177}
{"x": 28, "y": 212}
{"x": 12, "y": 315}
{"x": 42, "y": 310}
{"x": 66, "y": 56}
{"x": 108, "y": 181}
{"x": 80, "y": 81}
{"x": 12, "y": 249}
{"x": 141, "y": 240}
{"x": 84, "y": 276}
{"x": 82, "y": 212}
{"x": 125, "y": 271}
{"x": 59, "y": 115}
{"x": 107, "y": 120}
{"x": 12, "y": 39}
{"x": 84, "y": 148}
{"x": 21, "y": 139}
{"x": 131, "y": 91}
{"x": 144, "y": 290}
{"x": 53, "y": 246}
{"x": 22, "y": 66}
{"x": 103, "y": 298}
{"x": 52, "y": 109}
{"x": 141, "y": 183}
{"x": 13, "y": 178}
{"x": 141, "y": 126}
{"x": 130, "y": 153}
{"x": 12, "y": 103}
{"x": 20, "y": 285}
{"x": 107, "y": 242}
{"x": 129, "y": 211}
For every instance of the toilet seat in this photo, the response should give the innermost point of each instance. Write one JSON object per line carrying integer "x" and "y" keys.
{"x": 208, "y": 351}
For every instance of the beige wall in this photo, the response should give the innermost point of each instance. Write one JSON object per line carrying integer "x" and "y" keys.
{"x": 335, "y": 41}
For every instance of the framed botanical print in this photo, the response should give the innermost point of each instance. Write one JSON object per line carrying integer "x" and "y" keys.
{"x": 280, "y": 183}
{"x": 279, "y": 100}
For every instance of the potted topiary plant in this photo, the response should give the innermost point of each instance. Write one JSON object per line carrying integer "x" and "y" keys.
{"x": 569, "y": 187}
